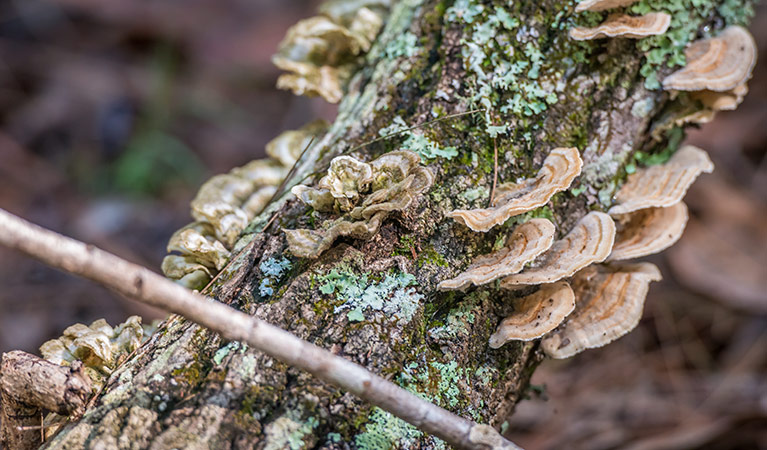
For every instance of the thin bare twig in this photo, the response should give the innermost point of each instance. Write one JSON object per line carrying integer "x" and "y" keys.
{"x": 143, "y": 285}
{"x": 495, "y": 169}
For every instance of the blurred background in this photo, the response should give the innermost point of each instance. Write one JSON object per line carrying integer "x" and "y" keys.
{"x": 113, "y": 112}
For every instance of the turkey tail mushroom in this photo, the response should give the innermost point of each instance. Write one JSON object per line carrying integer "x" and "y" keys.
{"x": 559, "y": 170}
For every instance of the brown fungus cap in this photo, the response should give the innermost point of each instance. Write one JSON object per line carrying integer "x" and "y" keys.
{"x": 526, "y": 242}
{"x": 719, "y": 63}
{"x": 662, "y": 185}
{"x": 536, "y": 314}
{"x": 559, "y": 170}
{"x": 601, "y": 5}
{"x": 609, "y": 300}
{"x": 648, "y": 231}
{"x": 590, "y": 241}
{"x": 625, "y": 26}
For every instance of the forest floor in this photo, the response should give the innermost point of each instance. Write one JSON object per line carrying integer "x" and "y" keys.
{"x": 112, "y": 113}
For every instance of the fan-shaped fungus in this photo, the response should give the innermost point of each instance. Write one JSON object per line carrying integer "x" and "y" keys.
{"x": 526, "y": 242}
{"x": 590, "y": 241}
{"x": 559, "y": 170}
{"x": 608, "y": 304}
{"x": 536, "y": 314}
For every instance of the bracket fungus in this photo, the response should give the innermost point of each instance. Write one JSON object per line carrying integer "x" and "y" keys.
{"x": 662, "y": 185}
{"x": 590, "y": 241}
{"x": 601, "y": 5}
{"x": 648, "y": 231}
{"x": 364, "y": 193}
{"x": 625, "y": 26}
{"x": 222, "y": 208}
{"x": 318, "y": 53}
{"x": 528, "y": 240}
{"x": 719, "y": 64}
{"x": 288, "y": 146}
{"x": 186, "y": 271}
{"x": 536, "y": 314}
{"x": 99, "y": 346}
{"x": 196, "y": 239}
{"x": 559, "y": 170}
{"x": 609, "y": 300}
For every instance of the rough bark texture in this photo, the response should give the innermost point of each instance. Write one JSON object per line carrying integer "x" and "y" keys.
{"x": 31, "y": 386}
{"x": 187, "y": 389}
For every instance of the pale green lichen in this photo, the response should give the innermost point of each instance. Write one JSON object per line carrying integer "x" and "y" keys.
{"x": 406, "y": 45}
{"x": 504, "y": 62}
{"x": 458, "y": 319}
{"x": 394, "y": 295}
{"x": 288, "y": 431}
{"x": 273, "y": 270}
{"x": 385, "y": 431}
{"x": 416, "y": 142}
{"x": 224, "y": 351}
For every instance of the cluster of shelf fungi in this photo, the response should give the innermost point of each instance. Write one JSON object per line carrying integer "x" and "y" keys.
{"x": 588, "y": 292}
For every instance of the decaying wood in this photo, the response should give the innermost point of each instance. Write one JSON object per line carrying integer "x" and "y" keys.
{"x": 31, "y": 386}
{"x": 189, "y": 388}
{"x": 30, "y": 380}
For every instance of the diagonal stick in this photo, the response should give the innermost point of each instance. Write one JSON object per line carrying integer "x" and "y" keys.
{"x": 147, "y": 287}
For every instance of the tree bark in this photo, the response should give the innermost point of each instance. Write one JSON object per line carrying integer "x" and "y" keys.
{"x": 186, "y": 388}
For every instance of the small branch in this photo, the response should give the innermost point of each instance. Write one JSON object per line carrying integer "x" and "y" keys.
{"x": 143, "y": 285}
{"x": 30, "y": 385}
{"x": 495, "y": 170}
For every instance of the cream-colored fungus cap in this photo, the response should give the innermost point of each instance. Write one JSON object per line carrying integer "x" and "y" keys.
{"x": 528, "y": 240}
{"x": 648, "y": 231}
{"x": 601, "y": 5}
{"x": 662, "y": 185}
{"x": 719, "y": 63}
{"x": 625, "y": 26}
{"x": 609, "y": 300}
{"x": 590, "y": 241}
{"x": 536, "y": 314}
{"x": 559, "y": 170}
